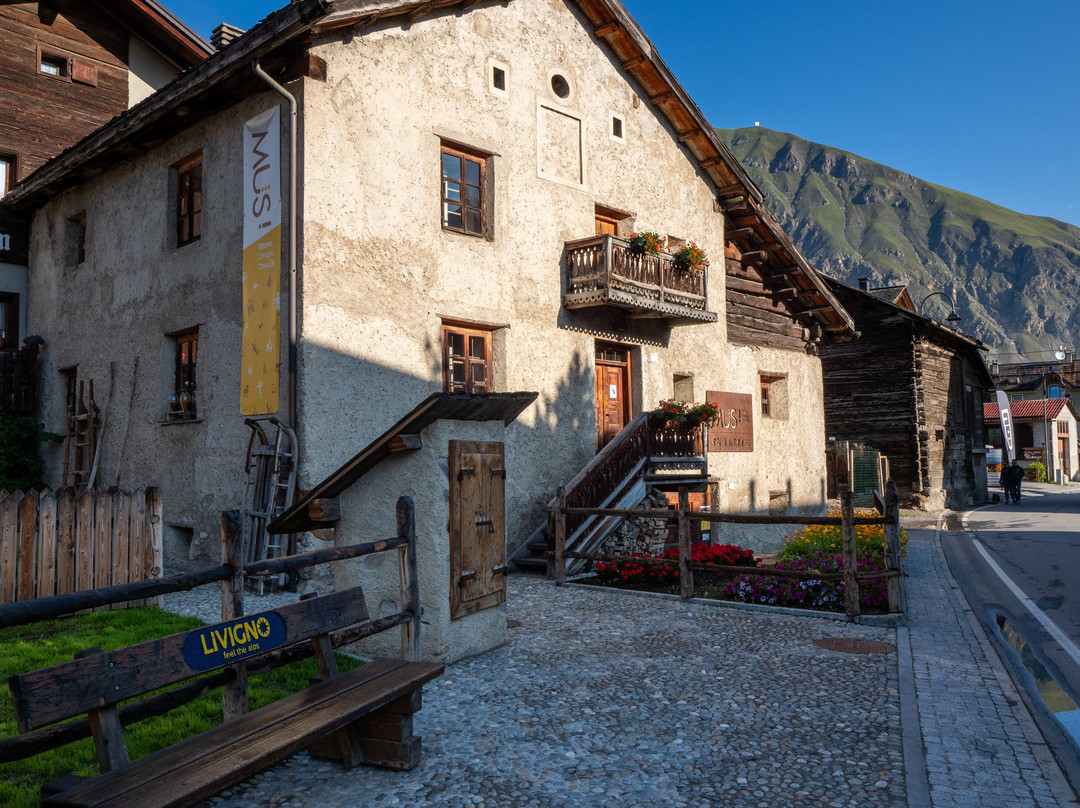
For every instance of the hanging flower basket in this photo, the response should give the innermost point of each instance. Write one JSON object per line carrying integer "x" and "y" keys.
{"x": 646, "y": 243}
{"x": 690, "y": 258}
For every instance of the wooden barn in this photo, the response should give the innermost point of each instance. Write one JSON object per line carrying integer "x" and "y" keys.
{"x": 911, "y": 388}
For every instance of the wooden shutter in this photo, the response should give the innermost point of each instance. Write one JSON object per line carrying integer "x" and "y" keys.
{"x": 84, "y": 73}
{"x": 477, "y": 527}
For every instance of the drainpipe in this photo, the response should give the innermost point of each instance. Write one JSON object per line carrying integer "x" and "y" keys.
{"x": 292, "y": 236}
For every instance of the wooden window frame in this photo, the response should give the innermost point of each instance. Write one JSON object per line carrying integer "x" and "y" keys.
{"x": 185, "y": 373}
{"x": 765, "y": 398}
{"x": 467, "y": 331}
{"x": 465, "y": 156}
{"x": 44, "y": 54}
{"x": 768, "y": 397}
{"x": 12, "y": 162}
{"x": 188, "y": 199}
{"x": 9, "y": 302}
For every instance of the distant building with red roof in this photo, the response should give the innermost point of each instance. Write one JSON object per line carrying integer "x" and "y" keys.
{"x": 1033, "y": 420}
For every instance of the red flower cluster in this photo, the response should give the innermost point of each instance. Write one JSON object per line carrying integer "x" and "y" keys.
{"x": 635, "y": 575}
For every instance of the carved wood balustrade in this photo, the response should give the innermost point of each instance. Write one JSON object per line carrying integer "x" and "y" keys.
{"x": 605, "y": 271}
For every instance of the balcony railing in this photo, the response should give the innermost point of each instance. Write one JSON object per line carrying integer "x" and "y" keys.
{"x": 18, "y": 381}
{"x": 604, "y": 271}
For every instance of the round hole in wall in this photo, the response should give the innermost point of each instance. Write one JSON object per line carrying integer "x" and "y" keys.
{"x": 560, "y": 86}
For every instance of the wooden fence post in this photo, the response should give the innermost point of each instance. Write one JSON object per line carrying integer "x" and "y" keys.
{"x": 234, "y": 696}
{"x": 686, "y": 575}
{"x": 410, "y": 583}
{"x": 9, "y": 546}
{"x": 560, "y": 536}
{"x": 893, "y": 551}
{"x": 851, "y": 583}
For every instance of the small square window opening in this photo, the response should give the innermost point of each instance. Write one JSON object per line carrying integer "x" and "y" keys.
{"x": 498, "y": 78}
{"x": 52, "y": 64}
{"x": 77, "y": 238}
{"x": 616, "y": 128}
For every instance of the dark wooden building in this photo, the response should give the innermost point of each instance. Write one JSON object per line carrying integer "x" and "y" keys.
{"x": 912, "y": 389}
{"x": 66, "y": 68}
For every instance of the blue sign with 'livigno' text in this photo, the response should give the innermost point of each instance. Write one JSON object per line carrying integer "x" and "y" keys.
{"x": 225, "y": 643}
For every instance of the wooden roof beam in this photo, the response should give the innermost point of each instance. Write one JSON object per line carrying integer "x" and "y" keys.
{"x": 606, "y": 29}
{"x": 740, "y": 233}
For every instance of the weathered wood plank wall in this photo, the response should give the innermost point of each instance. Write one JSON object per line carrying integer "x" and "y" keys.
{"x": 58, "y": 542}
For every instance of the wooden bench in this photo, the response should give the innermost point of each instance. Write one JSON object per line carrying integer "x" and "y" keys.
{"x": 361, "y": 716}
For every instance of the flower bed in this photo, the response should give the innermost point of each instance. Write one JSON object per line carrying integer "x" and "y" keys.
{"x": 810, "y": 593}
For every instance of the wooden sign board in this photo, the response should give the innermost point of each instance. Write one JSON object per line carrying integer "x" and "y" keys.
{"x": 1033, "y": 454}
{"x": 218, "y": 645}
{"x": 734, "y": 428}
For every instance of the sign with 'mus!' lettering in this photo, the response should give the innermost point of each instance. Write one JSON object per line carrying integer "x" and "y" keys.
{"x": 225, "y": 643}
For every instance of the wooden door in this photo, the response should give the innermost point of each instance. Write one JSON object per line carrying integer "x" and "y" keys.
{"x": 477, "y": 527}
{"x": 612, "y": 393}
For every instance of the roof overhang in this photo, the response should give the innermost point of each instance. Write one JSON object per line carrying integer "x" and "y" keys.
{"x": 505, "y": 407}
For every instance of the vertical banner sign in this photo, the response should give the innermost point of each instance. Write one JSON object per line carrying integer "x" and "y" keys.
{"x": 1006, "y": 426}
{"x": 260, "y": 355}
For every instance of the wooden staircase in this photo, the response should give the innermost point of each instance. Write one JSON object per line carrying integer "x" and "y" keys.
{"x": 646, "y": 455}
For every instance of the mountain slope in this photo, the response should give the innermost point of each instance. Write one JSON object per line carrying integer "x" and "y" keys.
{"x": 1015, "y": 278}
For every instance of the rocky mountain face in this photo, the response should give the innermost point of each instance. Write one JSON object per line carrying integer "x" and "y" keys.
{"x": 1015, "y": 278}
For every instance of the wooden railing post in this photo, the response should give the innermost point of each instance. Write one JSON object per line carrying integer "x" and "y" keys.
{"x": 686, "y": 575}
{"x": 851, "y": 583}
{"x": 234, "y": 696}
{"x": 893, "y": 550}
{"x": 410, "y": 583}
{"x": 559, "y": 570}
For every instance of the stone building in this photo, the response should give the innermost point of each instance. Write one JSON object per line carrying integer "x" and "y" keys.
{"x": 912, "y": 389}
{"x": 466, "y": 179}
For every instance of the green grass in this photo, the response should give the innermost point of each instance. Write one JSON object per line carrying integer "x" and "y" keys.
{"x": 39, "y": 645}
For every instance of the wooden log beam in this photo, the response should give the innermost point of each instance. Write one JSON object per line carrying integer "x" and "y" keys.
{"x": 755, "y": 257}
{"x": 851, "y": 583}
{"x": 31, "y": 611}
{"x": 606, "y": 29}
{"x": 327, "y": 509}
{"x": 733, "y": 203}
{"x": 273, "y": 566}
{"x": 740, "y": 233}
{"x": 403, "y": 443}
{"x": 750, "y": 336}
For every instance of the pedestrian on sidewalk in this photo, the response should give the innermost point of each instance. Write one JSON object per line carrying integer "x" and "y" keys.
{"x": 1011, "y": 477}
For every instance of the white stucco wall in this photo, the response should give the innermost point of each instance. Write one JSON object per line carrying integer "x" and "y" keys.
{"x": 368, "y": 514}
{"x": 380, "y": 273}
{"x": 147, "y": 71}
{"x": 110, "y": 315}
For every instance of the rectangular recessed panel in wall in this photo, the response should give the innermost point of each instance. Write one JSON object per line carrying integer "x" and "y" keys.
{"x": 559, "y": 147}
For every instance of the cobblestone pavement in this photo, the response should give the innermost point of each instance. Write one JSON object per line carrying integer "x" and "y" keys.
{"x": 977, "y": 752}
{"x": 605, "y": 698}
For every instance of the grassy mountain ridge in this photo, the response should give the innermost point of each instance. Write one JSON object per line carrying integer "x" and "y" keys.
{"x": 1015, "y": 278}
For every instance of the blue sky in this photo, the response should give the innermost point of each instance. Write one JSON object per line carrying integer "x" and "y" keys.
{"x": 980, "y": 96}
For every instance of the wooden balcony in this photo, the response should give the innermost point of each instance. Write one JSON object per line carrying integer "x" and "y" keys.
{"x": 18, "y": 381}
{"x": 604, "y": 271}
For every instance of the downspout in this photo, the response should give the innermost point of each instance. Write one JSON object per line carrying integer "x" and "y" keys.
{"x": 292, "y": 238}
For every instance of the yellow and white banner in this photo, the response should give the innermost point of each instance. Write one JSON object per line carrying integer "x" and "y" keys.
{"x": 260, "y": 357}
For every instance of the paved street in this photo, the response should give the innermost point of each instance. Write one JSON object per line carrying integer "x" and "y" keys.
{"x": 610, "y": 698}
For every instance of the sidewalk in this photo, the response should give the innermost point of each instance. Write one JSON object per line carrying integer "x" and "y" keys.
{"x": 605, "y": 698}
{"x": 980, "y": 746}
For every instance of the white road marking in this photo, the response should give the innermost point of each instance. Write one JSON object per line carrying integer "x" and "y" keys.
{"x": 1067, "y": 645}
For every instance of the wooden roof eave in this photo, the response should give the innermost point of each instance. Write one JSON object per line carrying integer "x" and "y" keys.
{"x": 159, "y": 109}
{"x": 150, "y": 20}
{"x": 505, "y": 407}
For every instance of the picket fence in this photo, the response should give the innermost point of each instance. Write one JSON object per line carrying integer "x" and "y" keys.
{"x": 56, "y": 542}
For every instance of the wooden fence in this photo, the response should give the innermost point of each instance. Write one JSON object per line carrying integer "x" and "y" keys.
{"x": 847, "y": 521}
{"x": 58, "y": 542}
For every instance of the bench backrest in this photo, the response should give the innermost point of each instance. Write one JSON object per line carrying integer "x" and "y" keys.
{"x": 104, "y": 679}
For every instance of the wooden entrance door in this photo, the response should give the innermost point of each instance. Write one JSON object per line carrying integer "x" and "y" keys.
{"x": 477, "y": 526}
{"x": 612, "y": 392}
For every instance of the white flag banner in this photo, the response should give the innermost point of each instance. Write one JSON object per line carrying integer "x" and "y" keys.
{"x": 1006, "y": 426}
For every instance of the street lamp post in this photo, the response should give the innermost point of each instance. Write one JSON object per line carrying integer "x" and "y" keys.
{"x": 953, "y": 319}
